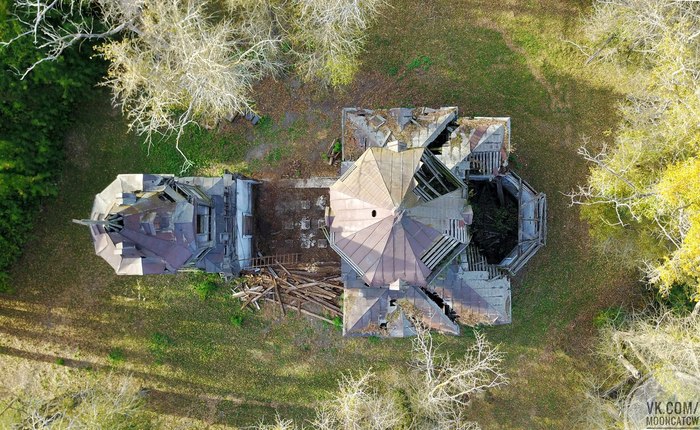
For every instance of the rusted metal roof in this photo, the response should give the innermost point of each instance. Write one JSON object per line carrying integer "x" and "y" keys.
{"x": 383, "y": 228}
{"x": 145, "y": 224}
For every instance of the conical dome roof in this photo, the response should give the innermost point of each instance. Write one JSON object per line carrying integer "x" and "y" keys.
{"x": 384, "y": 229}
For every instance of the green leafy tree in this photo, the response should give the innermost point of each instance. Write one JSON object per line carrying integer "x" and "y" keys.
{"x": 643, "y": 194}
{"x": 34, "y": 114}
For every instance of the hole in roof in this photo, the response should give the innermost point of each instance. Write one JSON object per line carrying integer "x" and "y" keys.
{"x": 374, "y": 213}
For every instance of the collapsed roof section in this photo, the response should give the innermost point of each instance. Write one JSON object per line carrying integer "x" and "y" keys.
{"x": 410, "y": 128}
{"x": 145, "y": 224}
{"x": 477, "y": 147}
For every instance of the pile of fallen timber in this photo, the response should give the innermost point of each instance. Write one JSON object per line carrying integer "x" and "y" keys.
{"x": 313, "y": 293}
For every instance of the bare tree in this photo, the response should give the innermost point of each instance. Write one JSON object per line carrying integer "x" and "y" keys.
{"x": 434, "y": 391}
{"x": 279, "y": 424}
{"x": 174, "y": 63}
{"x": 445, "y": 386}
{"x": 618, "y": 28}
{"x": 650, "y": 342}
{"x": 72, "y": 400}
{"x": 57, "y": 25}
{"x": 330, "y": 35}
{"x": 180, "y": 69}
{"x": 358, "y": 405}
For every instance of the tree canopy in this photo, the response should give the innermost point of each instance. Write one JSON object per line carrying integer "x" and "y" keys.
{"x": 34, "y": 115}
{"x": 177, "y": 62}
{"x": 655, "y": 343}
{"x": 643, "y": 194}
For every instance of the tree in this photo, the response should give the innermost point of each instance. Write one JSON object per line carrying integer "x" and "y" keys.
{"x": 431, "y": 394}
{"x": 443, "y": 387}
{"x": 359, "y": 405}
{"x": 178, "y": 68}
{"x": 34, "y": 114}
{"x": 655, "y": 342}
{"x": 643, "y": 194}
{"x": 279, "y": 424}
{"x": 66, "y": 401}
{"x": 330, "y": 35}
{"x": 178, "y": 62}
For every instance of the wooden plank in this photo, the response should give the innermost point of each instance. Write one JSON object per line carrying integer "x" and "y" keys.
{"x": 277, "y": 295}
{"x": 254, "y": 299}
{"x": 283, "y": 268}
{"x": 329, "y": 307}
{"x": 320, "y": 282}
{"x": 311, "y": 314}
{"x": 305, "y": 312}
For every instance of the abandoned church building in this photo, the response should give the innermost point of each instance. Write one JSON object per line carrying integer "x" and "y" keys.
{"x": 402, "y": 219}
{"x": 144, "y": 224}
{"x": 425, "y": 219}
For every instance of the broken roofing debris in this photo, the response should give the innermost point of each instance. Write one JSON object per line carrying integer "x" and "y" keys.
{"x": 399, "y": 216}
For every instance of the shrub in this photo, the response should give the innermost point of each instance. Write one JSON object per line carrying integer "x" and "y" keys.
{"x": 423, "y": 61}
{"x": 116, "y": 355}
{"x": 374, "y": 339}
{"x": 337, "y": 147}
{"x": 677, "y": 299}
{"x": 205, "y": 289}
{"x": 159, "y": 346}
{"x": 236, "y": 320}
{"x": 35, "y": 112}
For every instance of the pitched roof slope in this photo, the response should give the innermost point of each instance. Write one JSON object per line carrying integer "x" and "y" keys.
{"x": 370, "y": 311}
{"x": 377, "y": 224}
{"x": 153, "y": 235}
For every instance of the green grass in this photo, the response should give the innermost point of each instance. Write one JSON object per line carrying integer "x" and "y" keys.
{"x": 613, "y": 316}
{"x": 422, "y": 61}
{"x": 160, "y": 345}
{"x": 207, "y": 366}
{"x": 276, "y": 155}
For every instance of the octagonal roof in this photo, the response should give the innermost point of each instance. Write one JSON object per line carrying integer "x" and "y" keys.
{"x": 385, "y": 229}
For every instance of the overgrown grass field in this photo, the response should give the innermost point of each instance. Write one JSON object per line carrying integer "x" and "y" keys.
{"x": 204, "y": 361}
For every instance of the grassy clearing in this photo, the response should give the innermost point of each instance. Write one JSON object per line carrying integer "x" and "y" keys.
{"x": 205, "y": 361}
